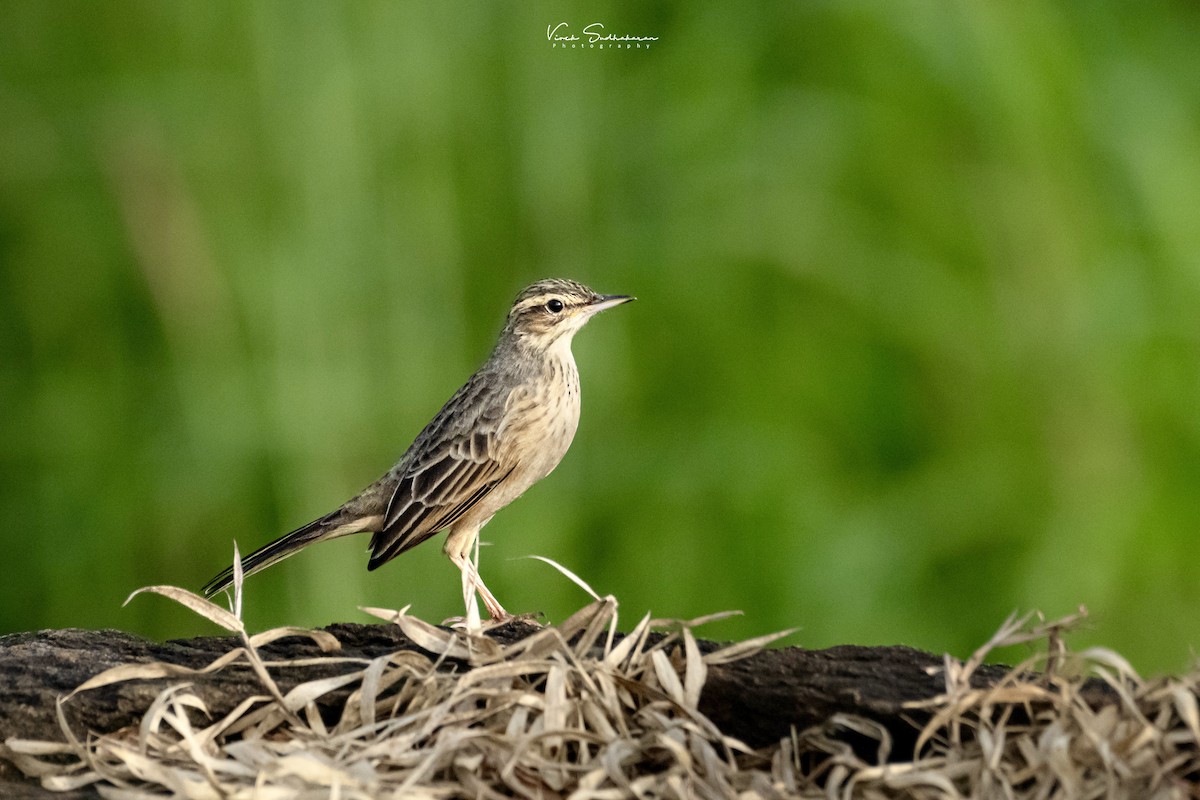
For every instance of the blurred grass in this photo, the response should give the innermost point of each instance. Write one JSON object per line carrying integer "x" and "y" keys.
{"x": 917, "y": 342}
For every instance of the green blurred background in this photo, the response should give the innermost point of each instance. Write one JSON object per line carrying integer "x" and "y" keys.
{"x": 917, "y": 344}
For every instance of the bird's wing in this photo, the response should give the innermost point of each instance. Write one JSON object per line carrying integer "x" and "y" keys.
{"x": 454, "y": 465}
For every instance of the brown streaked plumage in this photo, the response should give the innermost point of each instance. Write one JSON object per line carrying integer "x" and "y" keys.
{"x": 502, "y": 432}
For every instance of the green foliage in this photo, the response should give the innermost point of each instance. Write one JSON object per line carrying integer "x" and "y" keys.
{"x": 916, "y": 344}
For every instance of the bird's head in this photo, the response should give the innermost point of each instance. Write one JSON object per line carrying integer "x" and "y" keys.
{"x": 546, "y": 312}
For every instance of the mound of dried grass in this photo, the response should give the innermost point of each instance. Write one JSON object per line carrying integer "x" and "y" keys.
{"x": 575, "y": 710}
{"x": 1037, "y": 733}
{"x": 565, "y": 710}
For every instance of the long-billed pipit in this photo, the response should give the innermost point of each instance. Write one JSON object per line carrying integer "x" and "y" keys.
{"x": 502, "y": 432}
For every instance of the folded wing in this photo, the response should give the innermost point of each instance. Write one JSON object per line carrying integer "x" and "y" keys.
{"x": 437, "y": 489}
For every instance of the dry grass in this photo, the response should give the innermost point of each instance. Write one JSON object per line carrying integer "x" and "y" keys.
{"x": 1030, "y": 735}
{"x": 573, "y": 711}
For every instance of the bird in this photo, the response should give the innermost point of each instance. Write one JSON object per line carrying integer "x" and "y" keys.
{"x": 504, "y": 430}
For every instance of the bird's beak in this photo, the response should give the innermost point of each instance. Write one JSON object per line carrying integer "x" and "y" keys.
{"x": 603, "y": 301}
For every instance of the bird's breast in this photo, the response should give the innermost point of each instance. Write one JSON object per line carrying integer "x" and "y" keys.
{"x": 540, "y": 420}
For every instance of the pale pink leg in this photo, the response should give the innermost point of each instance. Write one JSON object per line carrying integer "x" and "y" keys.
{"x": 470, "y": 574}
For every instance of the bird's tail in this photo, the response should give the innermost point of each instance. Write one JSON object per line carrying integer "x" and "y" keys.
{"x": 330, "y": 526}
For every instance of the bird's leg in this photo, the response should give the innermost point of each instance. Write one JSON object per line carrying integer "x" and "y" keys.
{"x": 459, "y": 544}
{"x": 495, "y": 610}
{"x": 471, "y": 578}
{"x": 470, "y": 607}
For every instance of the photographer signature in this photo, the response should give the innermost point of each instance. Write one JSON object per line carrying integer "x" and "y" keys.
{"x": 594, "y": 33}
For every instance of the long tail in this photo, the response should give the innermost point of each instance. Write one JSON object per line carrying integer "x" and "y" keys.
{"x": 329, "y": 526}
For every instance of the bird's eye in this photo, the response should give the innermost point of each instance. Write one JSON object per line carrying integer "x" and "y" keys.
{"x": 554, "y": 306}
